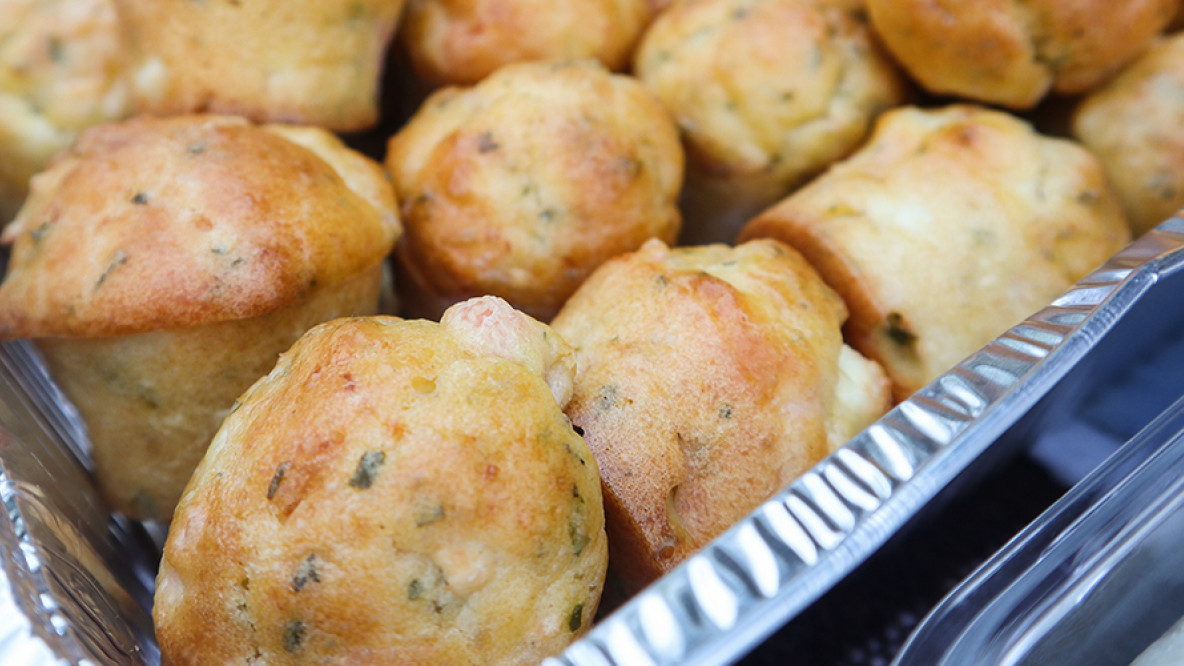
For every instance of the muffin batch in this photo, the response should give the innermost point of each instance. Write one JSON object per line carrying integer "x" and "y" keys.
{"x": 430, "y": 328}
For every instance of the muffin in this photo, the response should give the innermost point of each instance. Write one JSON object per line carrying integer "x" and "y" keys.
{"x": 521, "y": 185}
{"x": 1135, "y": 125}
{"x": 1012, "y": 52}
{"x": 61, "y": 65}
{"x": 948, "y": 227}
{"x": 395, "y": 491}
{"x": 767, "y": 93}
{"x": 315, "y": 62}
{"x": 160, "y": 265}
{"x": 460, "y": 42}
{"x": 708, "y": 378}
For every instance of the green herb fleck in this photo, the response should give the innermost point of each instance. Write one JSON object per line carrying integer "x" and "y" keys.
{"x": 428, "y": 514}
{"x": 57, "y": 51}
{"x": 39, "y": 233}
{"x": 607, "y": 396}
{"x": 140, "y": 199}
{"x": 576, "y": 619}
{"x": 277, "y": 479}
{"x": 368, "y": 466}
{"x": 898, "y": 331}
{"x": 725, "y": 411}
{"x": 414, "y": 589}
{"x": 306, "y": 573}
{"x": 197, "y": 148}
{"x": 485, "y": 143}
{"x": 119, "y": 259}
{"x": 548, "y": 215}
{"x": 294, "y": 635}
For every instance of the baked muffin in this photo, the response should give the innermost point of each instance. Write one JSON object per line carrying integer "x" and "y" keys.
{"x": 61, "y": 64}
{"x": 521, "y": 185}
{"x": 948, "y": 227}
{"x": 1135, "y": 125}
{"x": 395, "y": 491}
{"x": 1014, "y": 52}
{"x": 460, "y": 42}
{"x": 315, "y": 62}
{"x": 162, "y": 264}
{"x": 767, "y": 93}
{"x": 708, "y": 378}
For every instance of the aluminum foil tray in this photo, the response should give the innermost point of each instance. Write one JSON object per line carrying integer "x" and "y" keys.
{"x": 76, "y": 584}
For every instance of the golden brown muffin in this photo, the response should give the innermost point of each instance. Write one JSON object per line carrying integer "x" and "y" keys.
{"x": 708, "y": 378}
{"x": 948, "y": 227}
{"x": 394, "y": 491}
{"x": 162, "y": 264}
{"x": 315, "y": 62}
{"x": 767, "y": 93}
{"x": 1135, "y": 125}
{"x": 460, "y": 42}
{"x": 521, "y": 185}
{"x": 61, "y": 64}
{"x": 1013, "y": 52}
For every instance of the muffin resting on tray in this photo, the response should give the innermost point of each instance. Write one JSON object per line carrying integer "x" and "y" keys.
{"x": 316, "y": 62}
{"x": 395, "y": 491}
{"x": 521, "y": 185}
{"x": 1135, "y": 125}
{"x": 463, "y": 41}
{"x": 61, "y": 66}
{"x": 708, "y": 378}
{"x": 767, "y": 93}
{"x": 948, "y": 227}
{"x": 162, "y": 264}
{"x": 1013, "y": 52}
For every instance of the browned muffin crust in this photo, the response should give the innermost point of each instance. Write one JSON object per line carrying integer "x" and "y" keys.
{"x": 460, "y": 42}
{"x": 169, "y": 223}
{"x": 521, "y": 185}
{"x": 708, "y": 378}
{"x": 374, "y": 500}
{"x": 1014, "y": 52}
{"x": 314, "y": 62}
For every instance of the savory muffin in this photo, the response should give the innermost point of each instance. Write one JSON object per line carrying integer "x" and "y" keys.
{"x": 948, "y": 227}
{"x": 1014, "y": 52}
{"x": 1135, "y": 125}
{"x": 395, "y": 491}
{"x": 521, "y": 185}
{"x": 460, "y": 42}
{"x": 708, "y": 378}
{"x": 315, "y": 62}
{"x": 767, "y": 93}
{"x": 61, "y": 66}
{"x": 162, "y": 264}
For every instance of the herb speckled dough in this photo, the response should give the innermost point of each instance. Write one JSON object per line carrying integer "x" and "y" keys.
{"x": 1015, "y": 52}
{"x": 463, "y": 41}
{"x": 521, "y": 185}
{"x": 949, "y": 226}
{"x": 395, "y": 491}
{"x": 767, "y": 94}
{"x": 61, "y": 66}
{"x": 1135, "y": 125}
{"x": 708, "y": 378}
{"x": 314, "y": 62}
{"x": 162, "y": 264}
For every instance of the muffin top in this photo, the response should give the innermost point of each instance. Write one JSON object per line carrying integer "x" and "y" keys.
{"x": 1135, "y": 125}
{"x": 169, "y": 223}
{"x": 521, "y": 185}
{"x": 1013, "y": 52}
{"x": 395, "y": 491}
{"x": 946, "y": 228}
{"x": 314, "y": 62}
{"x": 463, "y": 41}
